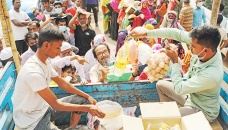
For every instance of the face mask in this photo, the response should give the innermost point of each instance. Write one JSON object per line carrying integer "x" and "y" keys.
{"x": 37, "y": 33}
{"x": 197, "y": 55}
{"x": 34, "y": 47}
{"x": 68, "y": 78}
{"x": 40, "y": 17}
{"x": 62, "y": 28}
{"x": 169, "y": 20}
{"x": 200, "y": 4}
{"x": 139, "y": 7}
{"x": 58, "y": 10}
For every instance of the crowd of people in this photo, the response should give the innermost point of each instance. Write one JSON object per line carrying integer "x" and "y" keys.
{"x": 57, "y": 45}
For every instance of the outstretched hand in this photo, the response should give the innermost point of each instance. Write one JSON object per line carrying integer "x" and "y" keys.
{"x": 95, "y": 111}
{"x": 138, "y": 32}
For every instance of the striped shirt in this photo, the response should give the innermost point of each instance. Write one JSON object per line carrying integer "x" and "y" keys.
{"x": 186, "y": 15}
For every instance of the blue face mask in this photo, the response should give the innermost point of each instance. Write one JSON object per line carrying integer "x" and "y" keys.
{"x": 197, "y": 55}
{"x": 58, "y": 10}
{"x": 62, "y": 28}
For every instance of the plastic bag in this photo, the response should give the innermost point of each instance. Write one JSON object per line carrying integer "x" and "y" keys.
{"x": 121, "y": 59}
{"x": 144, "y": 52}
{"x": 130, "y": 111}
{"x": 133, "y": 51}
{"x": 112, "y": 120}
{"x": 158, "y": 66}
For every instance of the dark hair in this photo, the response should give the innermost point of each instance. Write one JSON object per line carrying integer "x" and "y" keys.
{"x": 66, "y": 67}
{"x": 36, "y": 22}
{"x": 49, "y": 35}
{"x": 186, "y": 1}
{"x": 58, "y": 3}
{"x": 13, "y": 1}
{"x": 221, "y": 7}
{"x": 79, "y": 14}
{"x": 60, "y": 19}
{"x": 206, "y": 36}
{"x": 35, "y": 10}
{"x": 94, "y": 48}
{"x": 220, "y": 18}
{"x": 30, "y": 35}
{"x": 45, "y": 1}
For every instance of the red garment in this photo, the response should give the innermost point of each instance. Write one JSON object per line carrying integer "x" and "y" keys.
{"x": 121, "y": 16}
{"x": 138, "y": 21}
{"x": 72, "y": 11}
{"x": 143, "y": 76}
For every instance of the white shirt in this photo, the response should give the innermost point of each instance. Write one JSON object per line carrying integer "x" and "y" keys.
{"x": 223, "y": 34}
{"x": 224, "y": 22}
{"x": 95, "y": 73}
{"x": 25, "y": 56}
{"x": 58, "y": 63}
{"x": 28, "y": 106}
{"x": 92, "y": 61}
{"x": 18, "y": 32}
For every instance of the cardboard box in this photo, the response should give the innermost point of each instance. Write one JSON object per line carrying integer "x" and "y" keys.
{"x": 132, "y": 123}
{"x": 168, "y": 113}
{"x": 159, "y": 112}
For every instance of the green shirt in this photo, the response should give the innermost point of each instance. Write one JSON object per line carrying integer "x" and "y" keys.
{"x": 203, "y": 78}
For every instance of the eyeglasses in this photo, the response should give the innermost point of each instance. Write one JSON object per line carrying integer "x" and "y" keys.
{"x": 100, "y": 54}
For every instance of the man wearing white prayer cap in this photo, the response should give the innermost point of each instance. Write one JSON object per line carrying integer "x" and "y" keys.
{"x": 6, "y": 55}
{"x": 66, "y": 58}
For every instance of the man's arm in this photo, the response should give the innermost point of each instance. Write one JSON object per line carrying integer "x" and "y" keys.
{"x": 69, "y": 87}
{"x": 71, "y": 24}
{"x": 196, "y": 83}
{"x": 223, "y": 44}
{"x": 51, "y": 99}
{"x": 171, "y": 33}
{"x": 20, "y": 24}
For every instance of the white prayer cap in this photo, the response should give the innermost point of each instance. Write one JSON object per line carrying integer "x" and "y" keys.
{"x": 99, "y": 38}
{"x": 65, "y": 46}
{"x": 6, "y": 53}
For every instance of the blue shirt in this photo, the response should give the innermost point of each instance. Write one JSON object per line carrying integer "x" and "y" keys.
{"x": 198, "y": 16}
{"x": 91, "y": 1}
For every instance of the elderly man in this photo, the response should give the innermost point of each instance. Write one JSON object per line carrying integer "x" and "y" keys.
{"x": 200, "y": 92}
{"x": 99, "y": 72}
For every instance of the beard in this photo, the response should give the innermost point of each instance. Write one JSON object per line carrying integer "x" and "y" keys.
{"x": 105, "y": 62}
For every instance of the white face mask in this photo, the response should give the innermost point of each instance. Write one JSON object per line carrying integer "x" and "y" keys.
{"x": 200, "y": 4}
{"x": 68, "y": 78}
{"x": 197, "y": 55}
{"x": 62, "y": 28}
{"x": 58, "y": 10}
{"x": 139, "y": 7}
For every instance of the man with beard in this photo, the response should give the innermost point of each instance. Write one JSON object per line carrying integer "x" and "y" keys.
{"x": 99, "y": 72}
{"x": 82, "y": 33}
{"x": 31, "y": 39}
